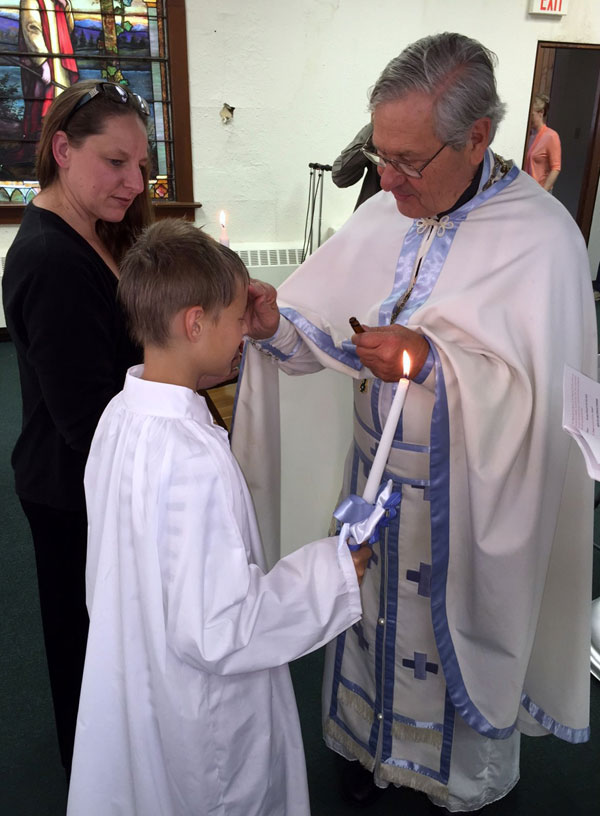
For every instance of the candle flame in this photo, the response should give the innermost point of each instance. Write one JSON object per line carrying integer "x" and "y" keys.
{"x": 223, "y": 219}
{"x": 406, "y": 363}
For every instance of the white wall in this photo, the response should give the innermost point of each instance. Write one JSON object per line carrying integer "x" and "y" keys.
{"x": 298, "y": 71}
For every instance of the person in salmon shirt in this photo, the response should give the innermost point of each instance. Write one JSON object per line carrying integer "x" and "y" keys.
{"x": 543, "y": 152}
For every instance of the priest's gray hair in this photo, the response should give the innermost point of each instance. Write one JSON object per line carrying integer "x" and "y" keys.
{"x": 457, "y": 71}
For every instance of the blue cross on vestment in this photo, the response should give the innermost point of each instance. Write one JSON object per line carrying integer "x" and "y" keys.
{"x": 425, "y": 489}
{"x": 422, "y": 577}
{"x": 362, "y": 641}
{"x": 420, "y": 665}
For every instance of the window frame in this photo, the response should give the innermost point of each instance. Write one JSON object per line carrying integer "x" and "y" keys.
{"x": 184, "y": 206}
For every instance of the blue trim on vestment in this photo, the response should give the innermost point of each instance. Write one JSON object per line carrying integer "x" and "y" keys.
{"x": 358, "y": 690}
{"x": 398, "y": 445}
{"x": 404, "y": 480}
{"x": 445, "y": 754}
{"x": 439, "y": 465}
{"x": 337, "y": 669}
{"x": 431, "y": 726}
{"x": 357, "y": 458}
{"x": 375, "y": 389}
{"x": 379, "y": 645}
{"x": 574, "y": 735}
{"x": 264, "y": 345}
{"x": 321, "y": 339}
{"x": 417, "y": 767}
{"x": 340, "y": 646}
{"x": 237, "y": 387}
{"x": 432, "y": 263}
{"x": 400, "y": 718}
{"x": 391, "y": 621}
{"x": 352, "y": 735}
{"x": 447, "y": 740}
{"x": 425, "y": 369}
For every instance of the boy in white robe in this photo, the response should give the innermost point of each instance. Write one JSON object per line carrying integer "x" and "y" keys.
{"x": 187, "y": 705}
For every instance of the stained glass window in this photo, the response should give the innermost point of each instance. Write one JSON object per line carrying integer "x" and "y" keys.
{"x": 46, "y": 45}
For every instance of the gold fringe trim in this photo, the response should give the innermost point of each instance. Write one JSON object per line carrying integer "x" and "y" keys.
{"x": 387, "y": 773}
{"x": 402, "y": 731}
{"x": 355, "y": 702}
{"x": 417, "y": 781}
{"x": 411, "y": 733}
{"x": 351, "y": 748}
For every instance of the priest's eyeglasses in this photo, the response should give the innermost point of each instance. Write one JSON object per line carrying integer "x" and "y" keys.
{"x": 116, "y": 93}
{"x": 399, "y": 166}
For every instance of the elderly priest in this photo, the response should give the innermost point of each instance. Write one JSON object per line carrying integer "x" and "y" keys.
{"x": 477, "y": 600}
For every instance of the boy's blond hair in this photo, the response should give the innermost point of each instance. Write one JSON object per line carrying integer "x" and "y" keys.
{"x": 172, "y": 266}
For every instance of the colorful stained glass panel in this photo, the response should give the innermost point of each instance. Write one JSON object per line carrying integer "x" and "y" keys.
{"x": 47, "y": 45}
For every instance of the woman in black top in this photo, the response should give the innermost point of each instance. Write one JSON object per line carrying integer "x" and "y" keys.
{"x": 59, "y": 293}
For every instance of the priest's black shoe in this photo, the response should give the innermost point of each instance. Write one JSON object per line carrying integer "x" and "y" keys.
{"x": 358, "y": 785}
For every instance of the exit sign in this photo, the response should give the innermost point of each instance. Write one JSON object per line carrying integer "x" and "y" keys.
{"x": 548, "y": 6}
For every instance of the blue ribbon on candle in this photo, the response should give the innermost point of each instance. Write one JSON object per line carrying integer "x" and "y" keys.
{"x": 355, "y": 511}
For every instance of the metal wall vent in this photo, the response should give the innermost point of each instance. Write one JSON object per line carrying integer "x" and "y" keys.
{"x": 271, "y": 257}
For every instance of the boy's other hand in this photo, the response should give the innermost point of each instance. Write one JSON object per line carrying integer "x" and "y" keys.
{"x": 262, "y": 312}
{"x": 210, "y": 381}
{"x": 361, "y": 559}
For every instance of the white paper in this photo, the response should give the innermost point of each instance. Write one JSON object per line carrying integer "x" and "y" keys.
{"x": 581, "y": 416}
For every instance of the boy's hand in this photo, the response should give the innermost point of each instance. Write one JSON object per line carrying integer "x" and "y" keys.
{"x": 262, "y": 312}
{"x": 361, "y": 559}
{"x": 210, "y": 381}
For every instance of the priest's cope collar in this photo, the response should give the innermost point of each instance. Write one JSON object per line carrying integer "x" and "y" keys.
{"x": 468, "y": 193}
{"x": 163, "y": 399}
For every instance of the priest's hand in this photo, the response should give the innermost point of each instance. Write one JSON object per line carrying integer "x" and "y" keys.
{"x": 380, "y": 348}
{"x": 361, "y": 559}
{"x": 262, "y": 313}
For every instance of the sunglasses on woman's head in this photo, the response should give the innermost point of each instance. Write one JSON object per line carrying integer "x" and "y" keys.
{"x": 116, "y": 93}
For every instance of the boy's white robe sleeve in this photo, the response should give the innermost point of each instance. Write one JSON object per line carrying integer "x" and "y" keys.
{"x": 224, "y": 614}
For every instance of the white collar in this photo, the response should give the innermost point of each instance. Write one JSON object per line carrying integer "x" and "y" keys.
{"x": 163, "y": 399}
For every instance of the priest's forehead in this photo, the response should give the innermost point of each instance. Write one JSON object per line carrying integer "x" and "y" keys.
{"x": 404, "y": 128}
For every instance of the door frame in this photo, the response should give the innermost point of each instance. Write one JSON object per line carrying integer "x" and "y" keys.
{"x": 544, "y": 67}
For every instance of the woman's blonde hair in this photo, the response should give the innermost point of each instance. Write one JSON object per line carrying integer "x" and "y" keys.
{"x": 541, "y": 103}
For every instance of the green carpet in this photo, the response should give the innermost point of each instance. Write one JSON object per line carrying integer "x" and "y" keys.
{"x": 556, "y": 778}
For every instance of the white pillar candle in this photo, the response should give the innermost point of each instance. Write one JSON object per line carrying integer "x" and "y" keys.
{"x": 387, "y": 437}
{"x": 224, "y": 239}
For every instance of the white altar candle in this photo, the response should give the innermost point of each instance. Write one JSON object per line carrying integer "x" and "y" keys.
{"x": 387, "y": 437}
{"x": 224, "y": 239}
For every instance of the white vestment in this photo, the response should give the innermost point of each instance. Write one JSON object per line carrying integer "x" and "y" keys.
{"x": 477, "y": 603}
{"x": 187, "y": 705}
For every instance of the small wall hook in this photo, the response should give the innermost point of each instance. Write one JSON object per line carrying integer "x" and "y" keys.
{"x": 226, "y": 113}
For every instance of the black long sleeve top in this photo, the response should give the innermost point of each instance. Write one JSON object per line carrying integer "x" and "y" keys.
{"x": 73, "y": 351}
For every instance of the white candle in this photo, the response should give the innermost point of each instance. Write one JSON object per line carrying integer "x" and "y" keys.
{"x": 224, "y": 239}
{"x": 387, "y": 437}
